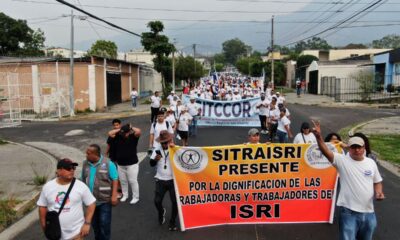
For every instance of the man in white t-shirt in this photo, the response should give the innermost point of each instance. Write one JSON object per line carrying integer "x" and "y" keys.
{"x": 74, "y": 223}
{"x": 183, "y": 123}
{"x": 263, "y": 106}
{"x": 160, "y": 158}
{"x": 155, "y": 106}
{"x": 157, "y": 127}
{"x": 236, "y": 96}
{"x": 359, "y": 181}
{"x": 194, "y": 110}
{"x": 280, "y": 99}
{"x": 134, "y": 95}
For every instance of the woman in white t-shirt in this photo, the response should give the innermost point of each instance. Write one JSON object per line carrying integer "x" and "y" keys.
{"x": 183, "y": 123}
{"x": 283, "y": 131}
{"x": 305, "y": 135}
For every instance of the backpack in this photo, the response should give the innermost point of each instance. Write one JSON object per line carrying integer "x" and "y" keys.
{"x": 154, "y": 124}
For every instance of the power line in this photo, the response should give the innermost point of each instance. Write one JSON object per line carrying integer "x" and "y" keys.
{"x": 193, "y": 11}
{"x": 97, "y": 18}
{"x": 339, "y": 24}
{"x": 90, "y": 24}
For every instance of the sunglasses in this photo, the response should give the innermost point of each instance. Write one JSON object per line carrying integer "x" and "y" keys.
{"x": 69, "y": 168}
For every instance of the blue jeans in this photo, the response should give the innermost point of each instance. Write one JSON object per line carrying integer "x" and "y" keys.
{"x": 101, "y": 222}
{"x": 133, "y": 102}
{"x": 282, "y": 136}
{"x": 355, "y": 225}
{"x": 193, "y": 127}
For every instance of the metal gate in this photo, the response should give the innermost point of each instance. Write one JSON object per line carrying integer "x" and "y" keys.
{"x": 113, "y": 88}
{"x": 10, "y": 113}
{"x": 33, "y": 96}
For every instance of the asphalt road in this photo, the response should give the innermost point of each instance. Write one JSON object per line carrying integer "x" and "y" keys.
{"x": 140, "y": 221}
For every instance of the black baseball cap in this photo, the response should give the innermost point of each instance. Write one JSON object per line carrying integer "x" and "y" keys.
{"x": 66, "y": 163}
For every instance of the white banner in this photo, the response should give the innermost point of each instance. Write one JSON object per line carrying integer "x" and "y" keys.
{"x": 242, "y": 113}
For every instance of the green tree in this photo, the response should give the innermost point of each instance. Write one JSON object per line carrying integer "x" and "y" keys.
{"x": 233, "y": 49}
{"x": 389, "y": 41}
{"x": 159, "y": 46}
{"x": 279, "y": 73}
{"x": 18, "y": 39}
{"x": 219, "y": 67}
{"x": 302, "y": 62}
{"x": 251, "y": 66}
{"x": 185, "y": 68}
{"x": 103, "y": 48}
{"x": 313, "y": 43}
{"x": 355, "y": 46}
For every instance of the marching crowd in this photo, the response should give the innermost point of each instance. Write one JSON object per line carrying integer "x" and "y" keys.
{"x": 105, "y": 178}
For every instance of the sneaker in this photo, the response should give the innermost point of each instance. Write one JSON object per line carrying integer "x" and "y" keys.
{"x": 172, "y": 227}
{"x": 119, "y": 195}
{"x": 123, "y": 199}
{"x": 134, "y": 200}
{"x": 161, "y": 217}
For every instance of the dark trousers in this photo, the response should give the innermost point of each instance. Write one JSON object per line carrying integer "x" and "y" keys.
{"x": 263, "y": 121}
{"x": 272, "y": 131}
{"x": 154, "y": 112}
{"x": 101, "y": 221}
{"x": 161, "y": 189}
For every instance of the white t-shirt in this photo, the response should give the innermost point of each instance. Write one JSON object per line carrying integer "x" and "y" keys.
{"x": 282, "y": 122}
{"x": 171, "y": 119}
{"x": 71, "y": 217}
{"x": 309, "y": 138}
{"x": 155, "y": 102}
{"x": 280, "y": 99}
{"x": 164, "y": 170}
{"x": 236, "y": 97}
{"x": 184, "y": 121}
{"x": 158, "y": 128}
{"x": 357, "y": 180}
{"x": 134, "y": 94}
{"x": 273, "y": 115}
{"x": 193, "y": 108}
{"x": 263, "y": 109}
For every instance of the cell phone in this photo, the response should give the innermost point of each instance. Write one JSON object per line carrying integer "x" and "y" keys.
{"x": 158, "y": 152}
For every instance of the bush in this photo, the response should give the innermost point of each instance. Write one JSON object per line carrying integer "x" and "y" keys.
{"x": 7, "y": 212}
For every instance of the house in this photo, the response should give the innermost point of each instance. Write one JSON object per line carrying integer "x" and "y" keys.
{"x": 63, "y": 52}
{"x": 337, "y": 54}
{"x": 387, "y": 68}
{"x": 318, "y": 73}
{"x": 41, "y": 86}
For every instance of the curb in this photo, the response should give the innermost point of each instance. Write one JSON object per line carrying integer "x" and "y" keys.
{"x": 391, "y": 167}
{"x": 26, "y": 208}
{"x": 105, "y": 116}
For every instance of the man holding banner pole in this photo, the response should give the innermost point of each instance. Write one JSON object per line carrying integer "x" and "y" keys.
{"x": 160, "y": 158}
{"x": 359, "y": 180}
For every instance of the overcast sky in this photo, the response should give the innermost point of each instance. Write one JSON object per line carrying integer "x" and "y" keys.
{"x": 208, "y": 23}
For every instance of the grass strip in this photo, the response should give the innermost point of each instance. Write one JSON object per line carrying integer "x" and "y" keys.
{"x": 387, "y": 146}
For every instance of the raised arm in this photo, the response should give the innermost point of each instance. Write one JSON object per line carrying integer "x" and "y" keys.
{"x": 321, "y": 144}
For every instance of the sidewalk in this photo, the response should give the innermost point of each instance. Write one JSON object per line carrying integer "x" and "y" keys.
{"x": 120, "y": 110}
{"x": 322, "y": 100}
{"x": 19, "y": 165}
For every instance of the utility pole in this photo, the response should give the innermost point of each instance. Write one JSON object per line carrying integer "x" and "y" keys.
{"x": 71, "y": 63}
{"x": 173, "y": 67}
{"x": 272, "y": 52}
{"x": 71, "y": 67}
{"x": 194, "y": 57}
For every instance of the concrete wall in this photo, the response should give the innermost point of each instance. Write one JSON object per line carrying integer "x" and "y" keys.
{"x": 346, "y": 53}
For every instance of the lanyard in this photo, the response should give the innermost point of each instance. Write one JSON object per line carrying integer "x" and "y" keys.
{"x": 165, "y": 158}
